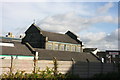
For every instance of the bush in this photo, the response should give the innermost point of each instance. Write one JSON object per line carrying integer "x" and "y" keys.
{"x": 47, "y": 74}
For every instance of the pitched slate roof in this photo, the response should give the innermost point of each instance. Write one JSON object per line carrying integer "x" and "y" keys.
{"x": 52, "y": 36}
{"x": 89, "y": 49}
{"x": 101, "y": 53}
{"x": 65, "y": 55}
{"x": 58, "y": 37}
{"x": 18, "y": 49}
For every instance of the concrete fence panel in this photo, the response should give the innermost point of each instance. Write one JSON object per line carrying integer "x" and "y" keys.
{"x": 83, "y": 69}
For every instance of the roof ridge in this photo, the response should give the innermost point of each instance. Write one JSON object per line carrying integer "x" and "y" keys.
{"x": 53, "y": 32}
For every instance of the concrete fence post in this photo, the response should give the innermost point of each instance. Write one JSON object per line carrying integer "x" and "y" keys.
{"x": 73, "y": 65}
{"x": 11, "y": 66}
{"x": 101, "y": 68}
{"x": 35, "y": 61}
{"x": 55, "y": 66}
{"x": 113, "y": 66}
{"x": 88, "y": 66}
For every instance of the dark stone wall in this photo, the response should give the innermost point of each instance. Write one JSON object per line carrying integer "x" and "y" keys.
{"x": 34, "y": 38}
{"x": 32, "y": 29}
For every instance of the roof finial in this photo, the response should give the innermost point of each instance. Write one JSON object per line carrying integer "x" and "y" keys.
{"x": 34, "y": 21}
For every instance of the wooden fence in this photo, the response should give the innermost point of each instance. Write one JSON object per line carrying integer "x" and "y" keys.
{"x": 83, "y": 69}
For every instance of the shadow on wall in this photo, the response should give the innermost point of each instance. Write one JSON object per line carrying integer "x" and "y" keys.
{"x": 89, "y": 69}
{"x": 82, "y": 69}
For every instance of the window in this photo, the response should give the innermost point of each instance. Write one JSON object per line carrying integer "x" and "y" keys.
{"x": 61, "y": 47}
{"x": 73, "y": 48}
{"x": 78, "y": 49}
{"x": 67, "y": 47}
{"x": 49, "y": 46}
{"x": 55, "y": 47}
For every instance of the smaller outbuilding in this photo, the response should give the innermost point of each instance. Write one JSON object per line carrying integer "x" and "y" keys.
{"x": 109, "y": 56}
{"x": 12, "y": 47}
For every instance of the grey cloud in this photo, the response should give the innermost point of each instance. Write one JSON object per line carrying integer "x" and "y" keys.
{"x": 113, "y": 36}
{"x": 111, "y": 41}
{"x": 71, "y": 21}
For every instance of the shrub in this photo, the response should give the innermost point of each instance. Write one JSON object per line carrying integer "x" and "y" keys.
{"x": 47, "y": 74}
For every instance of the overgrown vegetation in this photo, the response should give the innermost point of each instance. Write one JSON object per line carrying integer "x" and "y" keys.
{"x": 47, "y": 74}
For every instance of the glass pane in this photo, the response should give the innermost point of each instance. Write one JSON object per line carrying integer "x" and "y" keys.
{"x": 73, "y": 48}
{"x": 61, "y": 47}
{"x": 78, "y": 49}
{"x": 67, "y": 48}
{"x": 49, "y": 46}
{"x": 55, "y": 46}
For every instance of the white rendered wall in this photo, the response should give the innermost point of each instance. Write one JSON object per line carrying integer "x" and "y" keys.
{"x": 18, "y": 57}
{"x": 7, "y": 44}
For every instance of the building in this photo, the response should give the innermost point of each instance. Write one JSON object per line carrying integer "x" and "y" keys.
{"x": 12, "y": 47}
{"x": 52, "y": 41}
{"x": 92, "y": 50}
{"x": 109, "y": 56}
{"x": 62, "y": 46}
{"x": 45, "y": 45}
{"x": 10, "y": 35}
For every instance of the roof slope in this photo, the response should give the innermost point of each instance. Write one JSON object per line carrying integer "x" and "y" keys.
{"x": 18, "y": 49}
{"x": 51, "y": 35}
{"x": 65, "y": 55}
{"x": 89, "y": 49}
{"x": 58, "y": 37}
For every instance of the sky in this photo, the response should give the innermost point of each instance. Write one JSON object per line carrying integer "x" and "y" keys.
{"x": 95, "y": 23}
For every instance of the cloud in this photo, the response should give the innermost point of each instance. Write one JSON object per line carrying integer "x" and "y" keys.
{"x": 71, "y": 21}
{"x": 113, "y": 36}
{"x": 90, "y": 36}
{"x": 60, "y": 17}
{"x": 50, "y": 16}
{"x": 20, "y": 15}
{"x": 105, "y": 8}
{"x": 108, "y": 19}
{"x": 102, "y": 40}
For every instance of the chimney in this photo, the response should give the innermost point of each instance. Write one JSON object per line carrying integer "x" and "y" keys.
{"x": 10, "y": 35}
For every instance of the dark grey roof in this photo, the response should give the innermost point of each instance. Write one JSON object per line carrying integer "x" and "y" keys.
{"x": 18, "y": 49}
{"x": 89, "y": 49}
{"x": 65, "y": 55}
{"x": 58, "y": 37}
{"x": 52, "y": 36}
